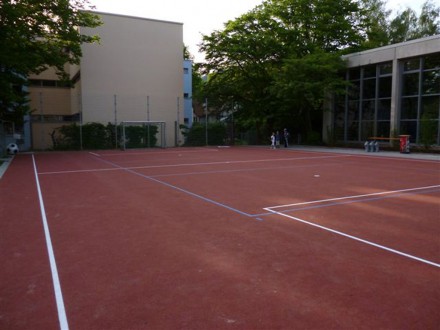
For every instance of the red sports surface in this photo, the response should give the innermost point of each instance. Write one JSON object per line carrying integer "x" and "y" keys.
{"x": 219, "y": 238}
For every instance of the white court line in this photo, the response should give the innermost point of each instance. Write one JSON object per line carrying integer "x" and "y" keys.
{"x": 354, "y": 238}
{"x": 189, "y": 164}
{"x": 53, "y": 266}
{"x": 352, "y": 197}
{"x": 160, "y": 152}
{"x": 94, "y": 154}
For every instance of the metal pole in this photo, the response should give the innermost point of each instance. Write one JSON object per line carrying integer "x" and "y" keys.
{"x": 206, "y": 121}
{"x": 42, "y": 122}
{"x": 80, "y": 121}
{"x": 116, "y": 122}
{"x": 178, "y": 120}
{"x": 123, "y": 134}
{"x": 148, "y": 119}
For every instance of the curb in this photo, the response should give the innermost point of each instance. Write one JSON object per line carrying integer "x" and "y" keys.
{"x": 5, "y": 165}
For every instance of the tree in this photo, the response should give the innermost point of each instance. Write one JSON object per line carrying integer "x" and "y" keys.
{"x": 250, "y": 61}
{"x": 376, "y": 23}
{"x": 381, "y": 30}
{"x": 36, "y": 35}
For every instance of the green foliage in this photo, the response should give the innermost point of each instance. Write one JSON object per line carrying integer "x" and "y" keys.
{"x": 429, "y": 128}
{"x": 94, "y": 136}
{"x": 99, "y": 136}
{"x": 35, "y": 35}
{"x": 141, "y": 136}
{"x": 382, "y": 29}
{"x": 277, "y": 62}
{"x": 197, "y": 134}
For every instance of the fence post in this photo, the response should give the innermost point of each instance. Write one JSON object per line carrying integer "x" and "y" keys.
{"x": 116, "y": 122}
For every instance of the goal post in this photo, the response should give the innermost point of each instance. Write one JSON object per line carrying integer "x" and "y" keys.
{"x": 142, "y": 134}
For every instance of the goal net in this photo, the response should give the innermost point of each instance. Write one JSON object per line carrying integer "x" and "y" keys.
{"x": 142, "y": 134}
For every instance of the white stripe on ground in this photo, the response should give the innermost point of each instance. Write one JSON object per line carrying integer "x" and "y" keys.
{"x": 53, "y": 266}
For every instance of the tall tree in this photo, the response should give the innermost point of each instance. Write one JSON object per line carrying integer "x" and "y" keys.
{"x": 35, "y": 35}
{"x": 376, "y": 23}
{"x": 247, "y": 59}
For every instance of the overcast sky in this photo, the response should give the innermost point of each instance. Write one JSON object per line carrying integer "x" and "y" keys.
{"x": 201, "y": 16}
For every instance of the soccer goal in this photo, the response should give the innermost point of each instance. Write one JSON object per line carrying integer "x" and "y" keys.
{"x": 142, "y": 134}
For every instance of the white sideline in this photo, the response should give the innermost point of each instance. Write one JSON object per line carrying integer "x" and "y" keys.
{"x": 53, "y": 266}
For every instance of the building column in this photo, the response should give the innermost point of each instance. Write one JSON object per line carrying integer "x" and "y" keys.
{"x": 395, "y": 97}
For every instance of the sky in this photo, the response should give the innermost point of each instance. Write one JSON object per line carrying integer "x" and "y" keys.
{"x": 201, "y": 17}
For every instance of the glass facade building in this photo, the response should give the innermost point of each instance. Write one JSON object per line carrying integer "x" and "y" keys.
{"x": 393, "y": 90}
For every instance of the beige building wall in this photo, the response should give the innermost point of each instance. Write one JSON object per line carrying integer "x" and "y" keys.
{"x": 134, "y": 73}
{"x": 48, "y": 104}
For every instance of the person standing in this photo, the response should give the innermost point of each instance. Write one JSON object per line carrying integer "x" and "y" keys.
{"x": 272, "y": 141}
{"x": 286, "y": 138}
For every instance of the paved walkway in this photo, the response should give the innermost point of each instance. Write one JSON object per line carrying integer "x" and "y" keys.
{"x": 414, "y": 155}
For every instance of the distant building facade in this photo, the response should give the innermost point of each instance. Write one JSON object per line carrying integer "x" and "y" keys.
{"x": 187, "y": 94}
{"x": 394, "y": 90}
{"x": 133, "y": 74}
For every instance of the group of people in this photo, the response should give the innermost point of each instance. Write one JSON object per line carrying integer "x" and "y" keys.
{"x": 275, "y": 139}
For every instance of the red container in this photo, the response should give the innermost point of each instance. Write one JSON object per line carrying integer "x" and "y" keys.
{"x": 404, "y": 144}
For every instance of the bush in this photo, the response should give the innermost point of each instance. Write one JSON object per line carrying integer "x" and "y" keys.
{"x": 196, "y": 135}
{"x": 94, "y": 136}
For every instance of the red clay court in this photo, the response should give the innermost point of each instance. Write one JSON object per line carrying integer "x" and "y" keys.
{"x": 220, "y": 238}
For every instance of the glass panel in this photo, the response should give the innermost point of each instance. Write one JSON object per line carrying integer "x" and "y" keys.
{"x": 432, "y": 61}
{"x": 409, "y": 128}
{"x": 384, "y": 109}
{"x": 410, "y": 84}
{"x": 354, "y": 74}
{"x": 431, "y": 82}
{"x": 339, "y": 133}
{"x": 386, "y": 68}
{"x": 385, "y": 87}
{"x": 430, "y": 107}
{"x": 367, "y": 130}
{"x": 353, "y": 110}
{"x": 369, "y": 71}
{"x": 383, "y": 128}
{"x": 411, "y": 64}
{"x": 369, "y": 89}
{"x": 353, "y": 90}
{"x": 428, "y": 131}
{"x": 409, "y": 108}
{"x": 353, "y": 131}
{"x": 368, "y": 110}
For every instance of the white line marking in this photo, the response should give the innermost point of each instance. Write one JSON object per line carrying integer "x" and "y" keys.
{"x": 94, "y": 154}
{"x": 353, "y": 197}
{"x": 53, "y": 266}
{"x": 355, "y": 238}
{"x": 186, "y": 164}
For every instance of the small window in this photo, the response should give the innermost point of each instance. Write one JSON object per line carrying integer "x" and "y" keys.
{"x": 185, "y": 70}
